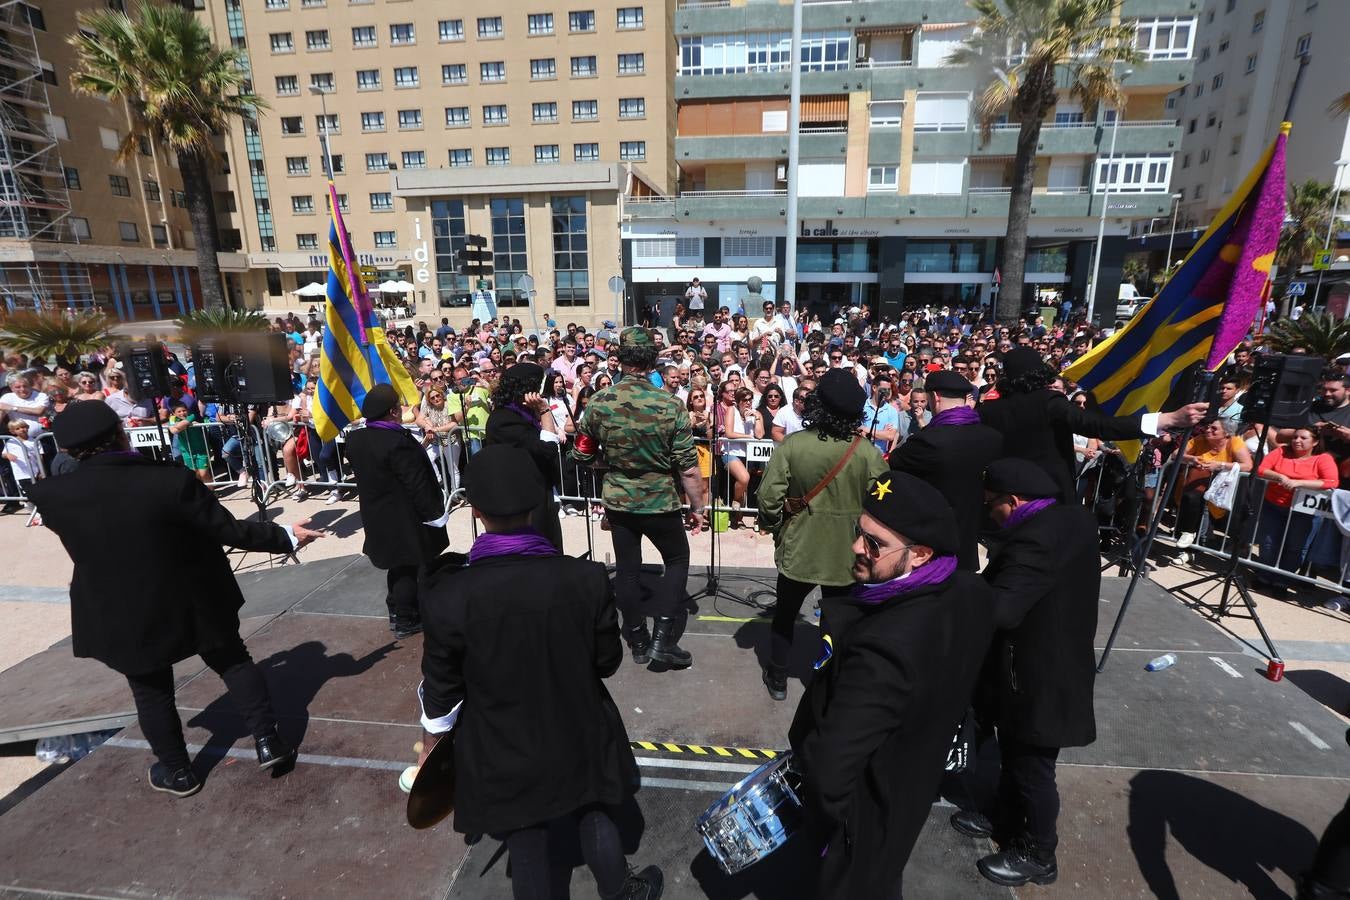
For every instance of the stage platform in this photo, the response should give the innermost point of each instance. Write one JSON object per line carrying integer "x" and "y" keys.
{"x": 1206, "y": 780}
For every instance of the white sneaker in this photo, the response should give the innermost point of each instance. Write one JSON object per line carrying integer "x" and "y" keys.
{"x": 333, "y": 496}
{"x": 290, "y": 480}
{"x": 242, "y": 480}
{"x": 1186, "y": 539}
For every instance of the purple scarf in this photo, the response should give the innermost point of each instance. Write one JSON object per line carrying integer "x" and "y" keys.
{"x": 937, "y": 570}
{"x": 955, "y": 415}
{"x": 526, "y": 414}
{"x": 1027, "y": 510}
{"x": 526, "y": 542}
{"x": 385, "y": 423}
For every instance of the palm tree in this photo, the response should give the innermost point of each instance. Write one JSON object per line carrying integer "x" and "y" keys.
{"x": 1025, "y": 52}
{"x": 180, "y": 90}
{"x": 206, "y": 322}
{"x": 1135, "y": 271}
{"x": 1306, "y": 220}
{"x": 43, "y": 334}
{"x": 1316, "y": 334}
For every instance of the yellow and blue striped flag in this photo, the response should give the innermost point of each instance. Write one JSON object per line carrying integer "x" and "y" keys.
{"x": 356, "y": 355}
{"x": 1203, "y": 311}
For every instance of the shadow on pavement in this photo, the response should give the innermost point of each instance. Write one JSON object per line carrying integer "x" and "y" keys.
{"x": 1331, "y": 691}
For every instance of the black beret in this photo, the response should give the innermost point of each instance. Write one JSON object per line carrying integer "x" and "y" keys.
{"x": 1021, "y": 360}
{"x": 378, "y": 401}
{"x": 527, "y": 374}
{"x": 911, "y": 507}
{"x": 839, "y": 390}
{"x": 1022, "y": 477}
{"x": 949, "y": 384}
{"x": 503, "y": 481}
{"x": 84, "y": 422}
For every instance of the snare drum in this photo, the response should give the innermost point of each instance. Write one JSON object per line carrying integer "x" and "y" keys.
{"x": 755, "y": 817}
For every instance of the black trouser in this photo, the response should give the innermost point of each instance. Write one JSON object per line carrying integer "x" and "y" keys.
{"x": 666, "y": 531}
{"x": 600, "y": 847}
{"x": 402, "y": 597}
{"x": 1191, "y": 510}
{"x": 1028, "y": 800}
{"x": 158, "y": 715}
{"x": 1331, "y": 865}
{"x": 791, "y": 595}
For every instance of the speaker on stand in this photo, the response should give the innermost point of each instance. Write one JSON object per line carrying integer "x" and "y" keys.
{"x": 147, "y": 377}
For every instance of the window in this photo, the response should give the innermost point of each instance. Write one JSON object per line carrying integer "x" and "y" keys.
{"x": 372, "y": 121}
{"x": 128, "y": 232}
{"x": 1166, "y": 37}
{"x": 368, "y": 79}
{"x": 109, "y": 138}
{"x": 48, "y": 72}
{"x": 883, "y": 178}
{"x": 151, "y": 188}
{"x": 317, "y": 39}
{"x": 1204, "y": 155}
{"x": 1258, "y": 21}
{"x": 377, "y": 162}
{"x": 489, "y": 27}
{"x": 1230, "y": 6}
{"x": 274, "y": 5}
{"x": 1235, "y": 145}
{"x": 630, "y": 17}
{"x": 886, "y": 113}
{"x": 1242, "y": 104}
{"x": 80, "y": 228}
{"x": 494, "y": 114}
{"x": 937, "y": 176}
{"x": 307, "y": 241}
{"x": 1211, "y": 119}
{"x": 383, "y": 201}
{"x": 281, "y": 42}
{"x": 729, "y": 54}
{"x": 586, "y": 152}
{"x": 1204, "y": 53}
{"x": 632, "y": 63}
{"x": 256, "y": 168}
{"x": 1200, "y": 89}
{"x": 339, "y": 167}
{"x": 72, "y": 178}
{"x": 386, "y": 239}
{"x": 178, "y": 199}
{"x": 1199, "y": 192}
{"x": 302, "y": 205}
{"x": 321, "y": 80}
{"x": 941, "y": 112}
{"x": 583, "y": 67}
{"x": 1217, "y": 82}
{"x": 297, "y": 165}
{"x": 544, "y": 112}
{"x": 405, "y": 76}
{"x": 583, "y": 20}
{"x": 402, "y": 33}
{"x": 119, "y": 185}
{"x": 669, "y": 251}
{"x": 409, "y": 119}
{"x": 1303, "y": 46}
{"x": 327, "y": 125}
{"x": 499, "y": 156}
{"x": 571, "y": 283}
{"x": 461, "y": 158}
{"x": 545, "y": 153}
{"x": 826, "y": 51}
{"x": 491, "y": 71}
{"x": 1223, "y": 44}
{"x": 633, "y": 150}
{"x": 33, "y": 16}
{"x": 1150, "y": 173}
{"x": 342, "y": 203}
{"x": 56, "y": 125}
{"x": 1185, "y": 160}
{"x": 508, "y": 248}
{"x": 632, "y": 108}
{"x": 364, "y": 36}
{"x": 1251, "y": 64}
{"x": 454, "y": 73}
{"x": 451, "y": 29}
{"x": 287, "y": 85}
{"x": 585, "y": 110}
{"x": 540, "y": 23}
{"x": 414, "y": 159}
{"x": 543, "y": 69}
{"x": 457, "y": 117}
{"x": 747, "y": 251}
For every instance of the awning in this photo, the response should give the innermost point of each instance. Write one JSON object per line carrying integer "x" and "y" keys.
{"x": 824, "y": 109}
{"x": 886, "y": 30}
{"x": 946, "y": 26}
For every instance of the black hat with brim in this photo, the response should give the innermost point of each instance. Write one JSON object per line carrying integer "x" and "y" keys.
{"x": 83, "y": 423}
{"x": 913, "y": 509}
{"x": 378, "y": 401}
{"x": 839, "y": 390}
{"x": 1020, "y": 477}
{"x": 503, "y": 481}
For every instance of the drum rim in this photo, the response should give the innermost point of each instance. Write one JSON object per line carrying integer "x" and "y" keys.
{"x": 722, "y": 803}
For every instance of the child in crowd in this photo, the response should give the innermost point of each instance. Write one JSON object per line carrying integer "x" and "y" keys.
{"x": 191, "y": 442}
{"x": 25, "y": 460}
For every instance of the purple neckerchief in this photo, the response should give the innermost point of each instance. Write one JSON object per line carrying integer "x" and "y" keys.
{"x": 955, "y": 415}
{"x": 525, "y": 414}
{"x": 526, "y": 542}
{"x": 936, "y": 571}
{"x": 384, "y": 423}
{"x": 1027, "y": 510}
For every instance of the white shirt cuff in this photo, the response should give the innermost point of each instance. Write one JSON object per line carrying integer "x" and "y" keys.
{"x": 1148, "y": 423}
{"x": 440, "y": 724}
{"x": 290, "y": 533}
{"x": 438, "y": 522}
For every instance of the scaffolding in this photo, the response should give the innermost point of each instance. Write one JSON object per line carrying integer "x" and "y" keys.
{"x": 34, "y": 196}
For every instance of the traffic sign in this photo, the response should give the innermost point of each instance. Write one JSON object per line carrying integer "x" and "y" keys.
{"x": 1296, "y": 289}
{"x": 1322, "y": 260}
{"x": 616, "y": 284}
{"x": 475, "y": 259}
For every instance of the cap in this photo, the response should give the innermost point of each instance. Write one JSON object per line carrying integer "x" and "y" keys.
{"x": 84, "y": 422}
{"x": 948, "y": 384}
{"x": 378, "y": 401}
{"x": 636, "y": 337}
{"x": 1021, "y": 361}
{"x": 913, "y": 509}
{"x": 608, "y": 324}
{"x": 1022, "y": 477}
{"x": 839, "y": 390}
{"x": 528, "y": 375}
{"x": 503, "y": 480}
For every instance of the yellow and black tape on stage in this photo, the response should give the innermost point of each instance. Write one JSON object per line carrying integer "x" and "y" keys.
{"x": 705, "y": 750}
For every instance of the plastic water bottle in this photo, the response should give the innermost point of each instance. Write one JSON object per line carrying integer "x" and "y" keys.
{"x": 70, "y": 747}
{"x": 1162, "y": 662}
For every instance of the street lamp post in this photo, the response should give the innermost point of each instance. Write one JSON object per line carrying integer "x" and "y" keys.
{"x": 1106, "y": 201}
{"x": 323, "y": 128}
{"x": 1171, "y": 237}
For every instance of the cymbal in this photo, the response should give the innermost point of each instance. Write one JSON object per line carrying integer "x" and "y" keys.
{"x": 432, "y": 797}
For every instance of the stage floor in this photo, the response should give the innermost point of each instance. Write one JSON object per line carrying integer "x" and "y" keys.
{"x": 1206, "y": 780}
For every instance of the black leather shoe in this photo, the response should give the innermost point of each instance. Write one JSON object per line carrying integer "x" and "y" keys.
{"x": 1016, "y": 865}
{"x": 972, "y": 823}
{"x": 272, "y": 750}
{"x": 1311, "y": 889}
{"x": 644, "y": 885}
{"x": 776, "y": 681}
{"x": 640, "y": 643}
{"x": 665, "y": 647}
{"x": 179, "y": 782}
{"x": 405, "y": 628}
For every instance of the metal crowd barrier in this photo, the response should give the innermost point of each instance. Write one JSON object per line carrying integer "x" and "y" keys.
{"x": 9, "y": 483}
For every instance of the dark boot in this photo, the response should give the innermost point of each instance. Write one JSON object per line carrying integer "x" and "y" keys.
{"x": 1311, "y": 889}
{"x": 644, "y": 885}
{"x": 775, "y": 679}
{"x": 179, "y": 782}
{"x": 972, "y": 823}
{"x": 272, "y": 750}
{"x": 1017, "y": 864}
{"x": 639, "y": 641}
{"x": 665, "y": 646}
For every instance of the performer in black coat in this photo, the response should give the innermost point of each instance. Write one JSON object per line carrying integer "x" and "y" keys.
{"x": 951, "y": 453}
{"x": 519, "y": 414}
{"x": 898, "y": 662}
{"x": 1038, "y": 423}
{"x": 1046, "y": 579}
{"x": 186, "y": 603}
{"x": 401, "y": 504}
{"x": 524, "y": 637}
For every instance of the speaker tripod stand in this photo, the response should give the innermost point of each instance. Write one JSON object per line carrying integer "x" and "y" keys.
{"x": 712, "y": 586}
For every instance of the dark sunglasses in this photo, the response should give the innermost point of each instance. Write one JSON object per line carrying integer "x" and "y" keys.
{"x": 871, "y": 544}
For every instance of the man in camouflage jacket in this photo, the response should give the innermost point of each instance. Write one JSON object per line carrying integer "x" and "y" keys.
{"x": 644, "y": 435}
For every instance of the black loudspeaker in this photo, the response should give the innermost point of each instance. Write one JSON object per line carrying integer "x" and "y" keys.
{"x": 259, "y": 368}
{"x": 1282, "y": 390}
{"x": 210, "y": 365}
{"x": 146, "y": 369}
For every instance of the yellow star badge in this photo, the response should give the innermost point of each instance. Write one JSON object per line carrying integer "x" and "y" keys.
{"x": 882, "y": 489}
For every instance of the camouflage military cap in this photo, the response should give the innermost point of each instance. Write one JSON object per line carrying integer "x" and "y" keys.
{"x": 636, "y": 337}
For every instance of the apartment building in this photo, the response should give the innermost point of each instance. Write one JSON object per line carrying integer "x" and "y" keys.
{"x": 901, "y": 201}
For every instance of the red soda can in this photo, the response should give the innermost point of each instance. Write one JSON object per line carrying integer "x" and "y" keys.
{"x": 1275, "y": 669}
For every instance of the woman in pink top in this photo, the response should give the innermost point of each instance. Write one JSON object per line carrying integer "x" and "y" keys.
{"x": 1298, "y": 464}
